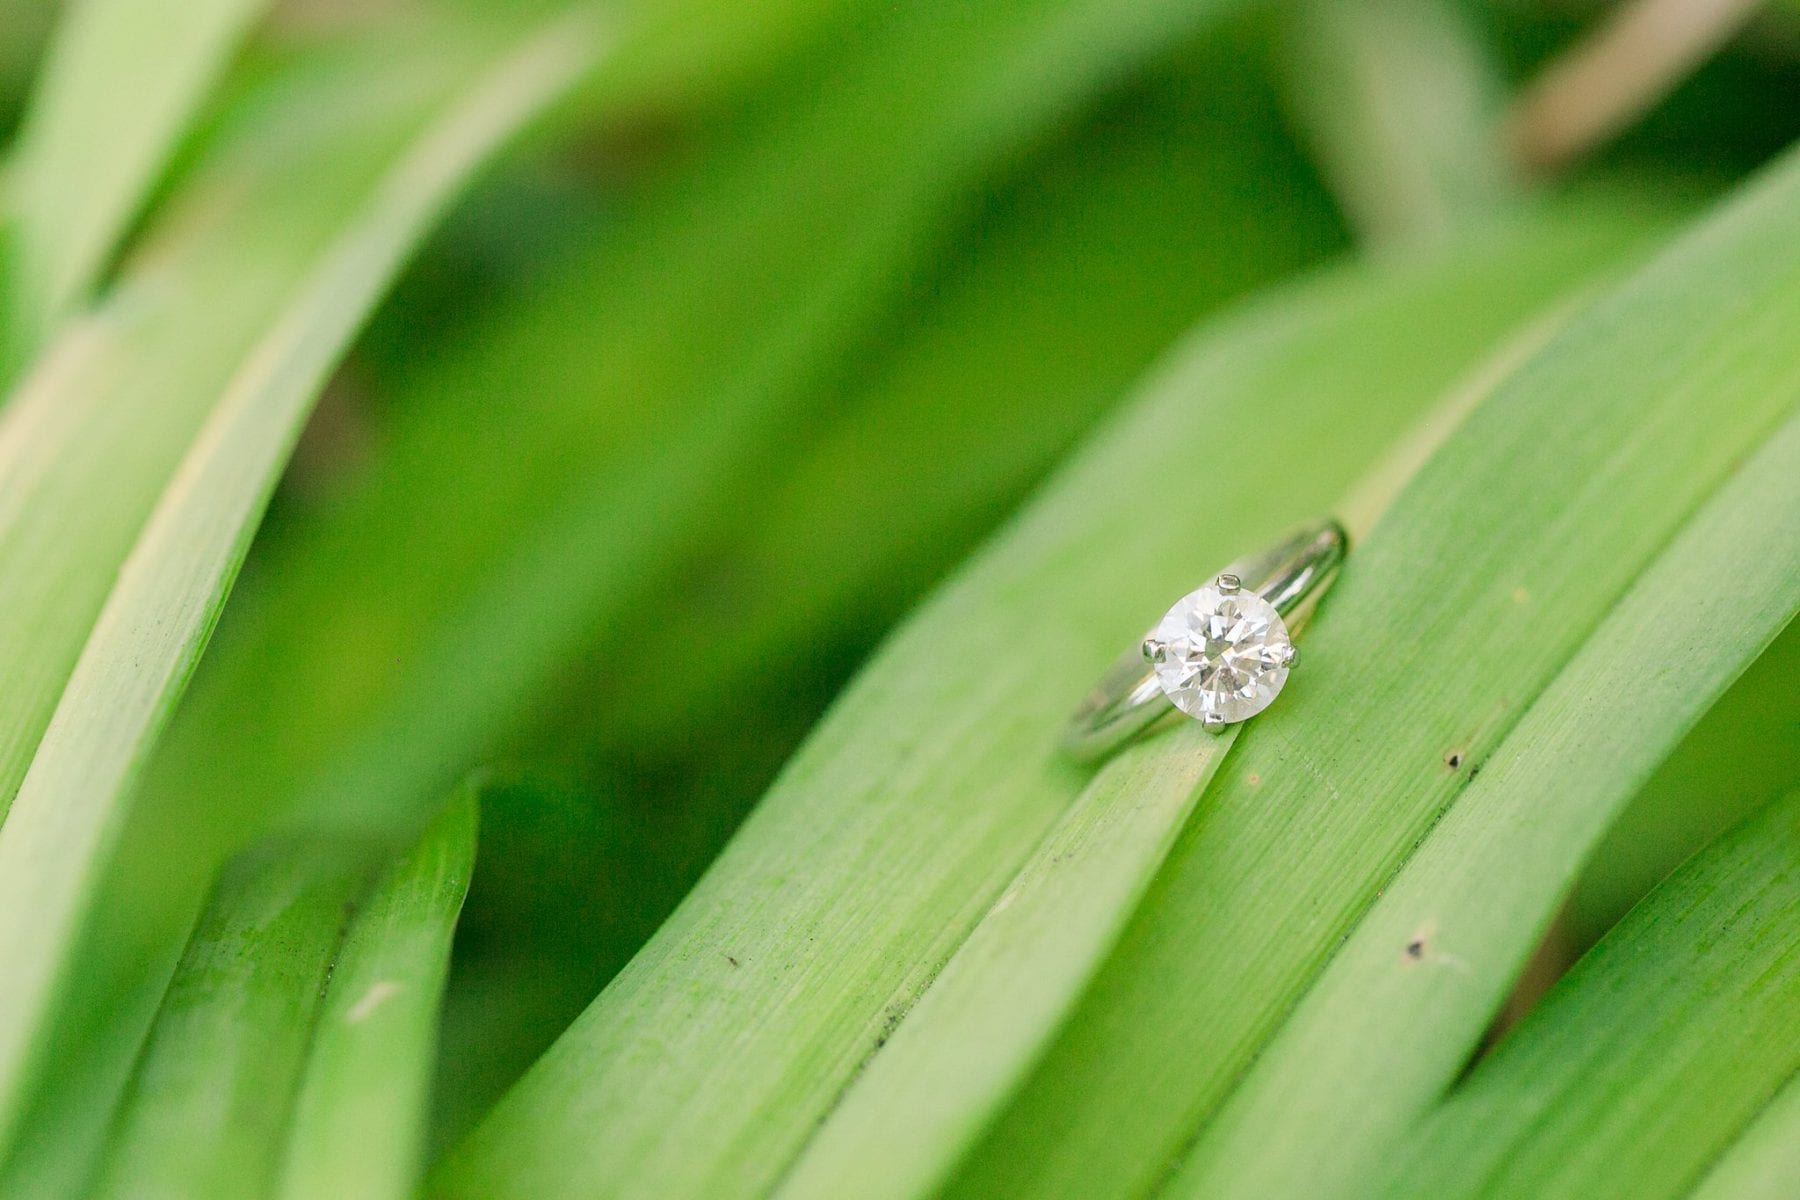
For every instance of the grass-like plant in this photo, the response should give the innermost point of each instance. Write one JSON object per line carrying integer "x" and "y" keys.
{"x": 661, "y": 475}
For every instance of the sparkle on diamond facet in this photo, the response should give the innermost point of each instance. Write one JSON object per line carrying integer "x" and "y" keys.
{"x": 1220, "y": 654}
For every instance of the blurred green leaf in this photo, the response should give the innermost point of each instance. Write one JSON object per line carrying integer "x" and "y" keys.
{"x": 1533, "y": 517}
{"x": 905, "y": 815}
{"x": 1179, "y": 193}
{"x": 358, "y": 1125}
{"x": 1644, "y": 1064}
{"x": 1763, "y": 1162}
{"x": 207, "y": 1109}
{"x": 1401, "y": 108}
{"x": 686, "y": 53}
{"x": 1404, "y": 1002}
{"x": 70, "y": 808}
{"x": 24, "y": 28}
{"x": 121, "y": 84}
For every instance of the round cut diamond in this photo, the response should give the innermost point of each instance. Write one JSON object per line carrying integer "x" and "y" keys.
{"x": 1221, "y": 653}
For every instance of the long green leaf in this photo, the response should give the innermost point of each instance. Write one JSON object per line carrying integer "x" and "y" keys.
{"x": 1764, "y": 1161}
{"x": 915, "y": 802}
{"x": 122, "y": 83}
{"x": 1547, "y": 503}
{"x": 358, "y": 1123}
{"x": 1404, "y": 1003}
{"x": 291, "y": 1054}
{"x": 70, "y": 807}
{"x": 1644, "y": 1063}
{"x": 1400, "y": 106}
{"x": 959, "y": 1051}
{"x": 207, "y": 1109}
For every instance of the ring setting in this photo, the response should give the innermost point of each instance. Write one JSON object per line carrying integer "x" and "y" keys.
{"x": 1222, "y": 653}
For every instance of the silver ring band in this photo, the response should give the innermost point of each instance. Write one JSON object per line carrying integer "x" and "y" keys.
{"x": 1132, "y": 697}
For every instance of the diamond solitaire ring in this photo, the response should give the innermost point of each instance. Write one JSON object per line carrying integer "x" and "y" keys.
{"x": 1221, "y": 654}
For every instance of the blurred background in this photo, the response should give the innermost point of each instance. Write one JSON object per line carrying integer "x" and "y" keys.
{"x": 704, "y": 385}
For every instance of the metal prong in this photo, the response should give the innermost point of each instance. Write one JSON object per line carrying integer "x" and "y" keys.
{"x": 1213, "y": 722}
{"x": 1151, "y": 648}
{"x": 1287, "y": 655}
{"x": 1229, "y": 584}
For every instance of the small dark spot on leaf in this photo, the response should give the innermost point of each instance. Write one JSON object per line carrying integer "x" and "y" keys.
{"x": 1453, "y": 759}
{"x": 1415, "y": 949}
{"x": 734, "y": 962}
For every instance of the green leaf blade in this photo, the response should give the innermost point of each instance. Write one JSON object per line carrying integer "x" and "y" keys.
{"x": 1402, "y": 108}
{"x": 358, "y": 1124}
{"x": 1674, "y": 1032}
{"x": 206, "y": 1112}
{"x": 1735, "y": 762}
{"x": 124, "y": 82}
{"x": 1764, "y": 1161}
{"x": 291, "y": 1053}
{"x": 959, "y": 1052}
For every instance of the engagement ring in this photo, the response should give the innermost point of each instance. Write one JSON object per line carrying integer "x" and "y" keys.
{"x": 1221, "y": 654}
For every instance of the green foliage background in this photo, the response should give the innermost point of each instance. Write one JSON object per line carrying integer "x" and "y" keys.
{"x": 545, "y": 548}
